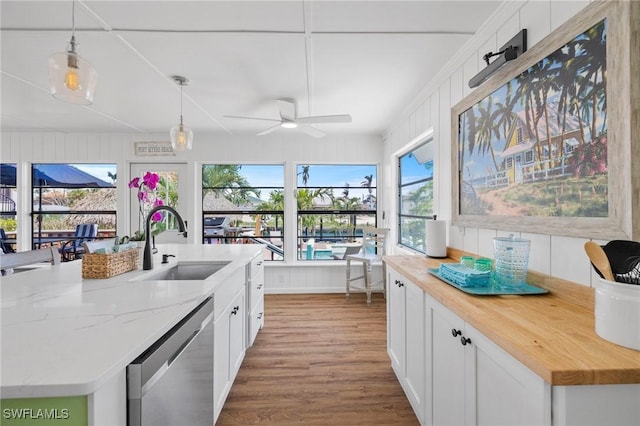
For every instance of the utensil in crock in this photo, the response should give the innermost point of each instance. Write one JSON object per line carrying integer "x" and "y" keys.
{"x": 599, "y": 260}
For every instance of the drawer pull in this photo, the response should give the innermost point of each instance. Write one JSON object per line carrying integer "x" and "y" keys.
{"x": 455, "y": 332}
{"x": 235, "y": 310}
{"x": 260, "y": 315}
{"x": 400, "y": 284}
{"x": 465, "y": 340}
{"x": 259, "y": 286}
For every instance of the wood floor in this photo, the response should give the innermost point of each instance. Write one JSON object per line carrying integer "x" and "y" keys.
{"x": 319, "y": 360}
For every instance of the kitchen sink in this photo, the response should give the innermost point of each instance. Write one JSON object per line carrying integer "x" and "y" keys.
{"x": 184, "y": 271}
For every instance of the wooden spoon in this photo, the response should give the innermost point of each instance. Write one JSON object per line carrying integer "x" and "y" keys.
{"x": 599, "y": 259}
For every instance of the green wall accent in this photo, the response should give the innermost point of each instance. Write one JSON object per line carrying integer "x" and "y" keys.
{"x": 60, "y": 411}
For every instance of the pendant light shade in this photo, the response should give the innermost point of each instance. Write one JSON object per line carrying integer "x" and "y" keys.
{"x": 71, "y": 78}
{"x": 181, "y": 136}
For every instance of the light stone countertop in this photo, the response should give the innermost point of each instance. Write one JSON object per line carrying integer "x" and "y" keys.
{"x": 62, "y": 335}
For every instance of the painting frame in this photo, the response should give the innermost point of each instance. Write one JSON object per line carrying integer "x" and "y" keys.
{"x": 623, "y": 123}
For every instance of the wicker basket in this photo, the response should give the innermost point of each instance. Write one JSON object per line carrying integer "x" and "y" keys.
{"x": 96, "y": 265}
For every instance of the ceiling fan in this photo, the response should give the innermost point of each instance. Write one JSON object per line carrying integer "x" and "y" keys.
{"x": 289, "y": 119}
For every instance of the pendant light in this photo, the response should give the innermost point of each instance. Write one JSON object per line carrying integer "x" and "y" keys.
{"x": 71, "y": 78}
{"x": 181, "y": 136}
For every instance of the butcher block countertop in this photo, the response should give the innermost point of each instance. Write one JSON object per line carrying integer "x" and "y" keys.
{"x": 552, "y": 334}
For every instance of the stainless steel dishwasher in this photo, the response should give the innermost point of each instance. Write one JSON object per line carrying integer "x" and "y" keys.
{"x": 171, "y": 383}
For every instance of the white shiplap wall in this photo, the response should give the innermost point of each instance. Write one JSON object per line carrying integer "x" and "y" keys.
{"x": 558, "y": 256}
{"x": 288, "y": 277}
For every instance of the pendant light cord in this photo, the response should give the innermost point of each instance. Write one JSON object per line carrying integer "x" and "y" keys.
{"x": 181, "y": 84}
{"x": 72, "y": 42}
{"x": 73, "y": 18}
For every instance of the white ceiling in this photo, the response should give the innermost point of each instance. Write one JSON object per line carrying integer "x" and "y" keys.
{"x": 364, "y": 58}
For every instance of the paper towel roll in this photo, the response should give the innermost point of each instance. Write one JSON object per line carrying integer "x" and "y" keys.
{"x": 436, "y": 240}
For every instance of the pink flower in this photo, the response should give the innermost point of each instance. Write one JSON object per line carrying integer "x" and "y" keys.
{"x": 134, "y": 183}
{"x": 151, "y": 180}
{"x": 147, "y": 197}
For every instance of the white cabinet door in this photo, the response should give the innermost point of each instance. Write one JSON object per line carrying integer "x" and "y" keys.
{"x": 448, "y": 366}
{"x": 396, "y": 322}
{"x": 237, "y": 330}
{"x": 501, "y": 390}
{"x": 228, "y": 348}
{"x": 475, "y": 382}
{"x": 406, "y": 337}
{"x": 415, "y": 347}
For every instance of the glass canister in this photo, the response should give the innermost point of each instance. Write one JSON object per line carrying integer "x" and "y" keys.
{"x": 511, "y": 260}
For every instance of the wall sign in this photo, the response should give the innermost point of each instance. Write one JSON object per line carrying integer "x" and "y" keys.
{"x": 153, "y": 149}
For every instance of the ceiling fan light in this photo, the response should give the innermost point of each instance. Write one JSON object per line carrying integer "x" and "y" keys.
{"x": 71, "y": 78}
{"x": 289, "y": 124}
{"x": 181, "y": 138}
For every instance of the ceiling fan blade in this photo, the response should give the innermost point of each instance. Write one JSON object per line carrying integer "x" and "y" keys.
{"x": 311, "y": 131}
{"x": 252, "y": 118}
{"x": 269, "y": 130}
{"x": 287, "y": 108}
{"x": 343, "y": 118}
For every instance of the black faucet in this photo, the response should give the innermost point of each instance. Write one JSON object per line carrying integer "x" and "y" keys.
{"x": 165, "y": 258}
{"x": 147, "y": 260}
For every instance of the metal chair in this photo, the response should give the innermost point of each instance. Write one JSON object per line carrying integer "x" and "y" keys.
{"x": 74, "y": 248}
{"x": 6, "y": 247}
{"x": 373, "y": 248}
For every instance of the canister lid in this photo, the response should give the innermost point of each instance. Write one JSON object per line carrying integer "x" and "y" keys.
{"x": 511, "y": 239}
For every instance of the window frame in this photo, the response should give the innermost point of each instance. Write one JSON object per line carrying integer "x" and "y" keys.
{"x": 35, "y": 214}
{"x": 300, "y": 238}
{"x": 232, "y": 237}
{"x": 419, "y": 142}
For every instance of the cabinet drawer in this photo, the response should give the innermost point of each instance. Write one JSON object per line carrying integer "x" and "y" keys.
{"x": 256, "y": 293}
{"x": 257, "y": 268}
{"x": 224, "y": 294}
{"x": 256, "y": 282}
{"x": 256, "y": 321}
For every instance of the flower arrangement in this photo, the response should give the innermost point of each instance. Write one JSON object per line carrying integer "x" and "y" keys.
{"x": 147, "y": 199}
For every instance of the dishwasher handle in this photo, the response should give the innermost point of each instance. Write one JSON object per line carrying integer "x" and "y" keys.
{"x": 184, "y": 346}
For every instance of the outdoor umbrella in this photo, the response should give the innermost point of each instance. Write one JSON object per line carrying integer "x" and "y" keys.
{"x": 62, "y": 176}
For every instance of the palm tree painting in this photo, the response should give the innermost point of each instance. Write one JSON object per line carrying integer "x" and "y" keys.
{"x": 537, "y": 145}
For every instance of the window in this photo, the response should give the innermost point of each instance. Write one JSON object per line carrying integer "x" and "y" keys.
{"x": 416, "y": 196}
{"x": 244, "y": 203}
{"x": 528, "y": 157}
{"x": 334, "y": 203}
{"x": 67, "y": 195}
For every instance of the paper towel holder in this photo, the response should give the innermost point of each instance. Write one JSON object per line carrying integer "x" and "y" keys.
{"x": 436, "y": 240}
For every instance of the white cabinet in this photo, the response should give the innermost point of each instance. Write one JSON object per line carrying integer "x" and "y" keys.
{"x": 450, "y": 372}
{"x": 255, "y": 298}
{"x": 229, "y": 336}
{"x": 395, "y": 321}
{"x": 447, "y": 365}
{"x": 406, "y": 337}
{"x": 477, "y": 383}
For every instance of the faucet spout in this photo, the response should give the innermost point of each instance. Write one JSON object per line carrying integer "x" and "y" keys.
{"x": 147, "y": 260}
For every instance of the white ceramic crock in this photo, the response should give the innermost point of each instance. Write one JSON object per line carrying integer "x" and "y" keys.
{"x": 617, "y": 313}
